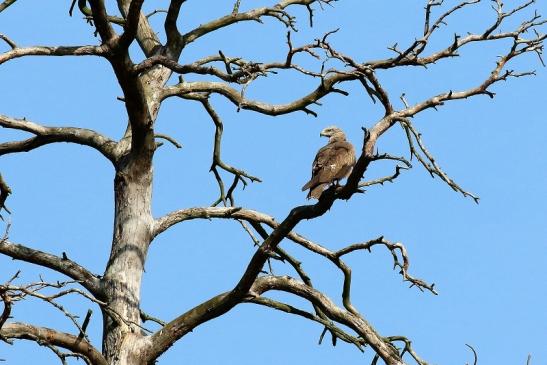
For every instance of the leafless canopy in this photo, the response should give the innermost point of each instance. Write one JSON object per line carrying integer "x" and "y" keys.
{"x": 145, "y": 85}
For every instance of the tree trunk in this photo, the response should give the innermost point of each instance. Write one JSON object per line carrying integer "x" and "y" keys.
{"x": 122, "y": 278}
{"x": 123, "y": 340}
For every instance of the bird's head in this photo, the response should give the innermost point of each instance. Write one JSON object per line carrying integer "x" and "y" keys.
{"x": 332, "y": 132}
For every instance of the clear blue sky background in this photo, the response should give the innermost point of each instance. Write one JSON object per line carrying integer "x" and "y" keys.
{"x": 488, "y": 260}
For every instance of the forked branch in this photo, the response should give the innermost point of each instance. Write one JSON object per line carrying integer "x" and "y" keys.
{"x": 239, "y": 175}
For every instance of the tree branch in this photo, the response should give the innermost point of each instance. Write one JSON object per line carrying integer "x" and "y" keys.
{"x": 239, "y": 175}
{"x": 174, "y": 38}
{"x": 131, "y": 24}
{"x": 6, "y": 39}
{"x": 101, "y": 20}
{"x": 16, "y": 293}
{"x": 431, "y": 164}
{"x": 5, "y": 4}
{"x": 297, "y": 266}
{"x": 17, "y": 52}
{"x": 62, "y": 265}
{"x": 55, "y": 338}
{"x": 169, "y": 220}
{"x": 46, "y": 135}
{"x": 393, "y": 248}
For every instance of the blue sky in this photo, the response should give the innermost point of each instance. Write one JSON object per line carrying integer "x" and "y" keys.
{"x": 487, "y": 260}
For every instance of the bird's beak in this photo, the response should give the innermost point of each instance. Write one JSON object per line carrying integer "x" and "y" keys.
{"x": 322, "y": 134}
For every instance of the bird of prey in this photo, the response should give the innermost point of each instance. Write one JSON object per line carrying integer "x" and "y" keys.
{"x": 332, "y": 163}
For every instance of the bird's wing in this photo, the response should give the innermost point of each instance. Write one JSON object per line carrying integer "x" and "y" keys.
{"x": 331, "y": 162}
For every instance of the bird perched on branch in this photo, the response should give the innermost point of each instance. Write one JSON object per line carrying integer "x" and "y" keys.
{"x": 332, "y": 163}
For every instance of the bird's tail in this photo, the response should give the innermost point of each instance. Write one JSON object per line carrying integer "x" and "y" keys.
{"x": 308, "y": 185}
{"x": 316, "y": 191}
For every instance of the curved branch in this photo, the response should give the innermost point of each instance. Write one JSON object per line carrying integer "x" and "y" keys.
{"x": 60, "y": 264}
{"x": 171, "y": 30}
{"x": 297, "y": 266}
{"x": 283, "y": 307}
{"x": 52, "y": 337}
{"x": 287, "y": 284}
{"x": 169, "y": 220}
{"x": 241, "y": 102}
{"x": 168, "y": 139}
{"x": 393, "y": 248}
{"x": 46, "y": 135}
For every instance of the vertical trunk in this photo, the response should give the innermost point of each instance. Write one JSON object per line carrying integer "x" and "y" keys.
{"x": 122, "y": 278}
{"x": 123, "y": 340}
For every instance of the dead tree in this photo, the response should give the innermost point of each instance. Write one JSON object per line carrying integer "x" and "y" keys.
{"x": 145, "y": 85}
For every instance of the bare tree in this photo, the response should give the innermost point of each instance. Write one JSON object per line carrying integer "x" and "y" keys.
{"x": 146, "y": 84}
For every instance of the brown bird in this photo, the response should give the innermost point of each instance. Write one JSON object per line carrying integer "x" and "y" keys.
{"x": 332, "y": 163}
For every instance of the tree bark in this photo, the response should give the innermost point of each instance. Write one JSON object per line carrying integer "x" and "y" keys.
{"x": 122, "y": 278}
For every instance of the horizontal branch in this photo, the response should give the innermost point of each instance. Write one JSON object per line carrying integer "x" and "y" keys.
{"x": 62, "y": 265}
{"x": 43, "y": 335}
{"x": 53, "y": 51}
{"x": 169, "y": 220}
{"x": 46, "y": 135}
{"x": 326, "y": 86}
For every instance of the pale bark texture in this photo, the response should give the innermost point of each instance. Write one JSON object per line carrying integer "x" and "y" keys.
{"x": 145, "y": 85}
